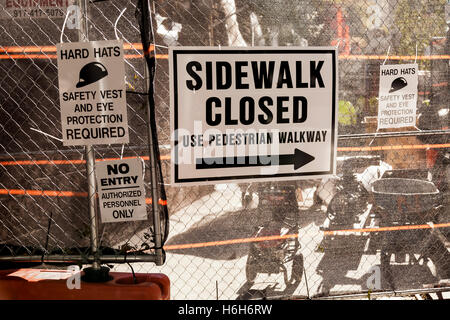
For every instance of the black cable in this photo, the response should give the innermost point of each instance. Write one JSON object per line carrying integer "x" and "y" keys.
{"x": 132, "y": 271}
{"x": 47, "y": 237}
{"x": 146, "y": 29}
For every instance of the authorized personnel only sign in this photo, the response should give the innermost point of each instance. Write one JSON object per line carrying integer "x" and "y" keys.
{"x": 92, "y": 92}
{"x": 252, "y": 114}
{"x": 121, "y": 190}
{"x": 397, "y": 99}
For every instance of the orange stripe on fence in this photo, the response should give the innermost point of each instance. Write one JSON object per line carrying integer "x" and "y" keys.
{"x": 381, "y": 229}
{"x": 53, "y": 56}
{"x": 137, "y": 46}
{"x": 50, "y": 193}
{"x": 382, "y": 57}
{"x": 27, "y": 56}
{"x": 63, "y": 162}
{"x": 56, "y": 193}
{"x": 38, "y": 52}
{"x": 167, "y": 157}
{"x": 272, "y": 238}
{"x": 228, "y": 242}
{"x": 40, "y": 162}
{"x": 26, "y": 49}
{"x": 160, "y": 201}
{"x": 398, "y": 147}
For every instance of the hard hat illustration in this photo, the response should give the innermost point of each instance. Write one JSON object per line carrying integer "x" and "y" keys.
{"x": 91, "y": 73}
{"x": 398, "y": 84}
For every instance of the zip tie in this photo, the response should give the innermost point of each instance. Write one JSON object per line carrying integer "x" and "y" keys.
{"x": 64, "y": 24}
{"x": 117, "y": 20}
{"x": 143, "y": 168}
{"x": 121, "y": 152}
{"x": 376, "y": 133}
{"x": 387, "y": 55}
{"x": 46, "y": 134}
{"x": 338, "y": 43}
{"x": 415, "y": 60}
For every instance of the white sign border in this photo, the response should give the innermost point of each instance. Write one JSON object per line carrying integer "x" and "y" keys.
{"x": 174, "y": 51}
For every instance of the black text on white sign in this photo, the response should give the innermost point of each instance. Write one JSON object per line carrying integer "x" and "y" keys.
{"x": 92, "y": 93}
{"x": 397, "y": 99}
{"x": 121, "y": 190}
{"x": 252, "y": 114}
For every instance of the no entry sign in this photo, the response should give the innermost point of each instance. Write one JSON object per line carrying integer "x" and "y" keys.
{"x": 92, "y": 92}
{"x": 397, "y": 98}
{"x": 121, "y": 190}
{"x": 252, "y": 114}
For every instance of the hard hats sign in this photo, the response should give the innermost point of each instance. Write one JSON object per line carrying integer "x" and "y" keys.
{"x": 397, "y": 99}
{"x": 252, "y": 114}
{"x": 92, "y": 92}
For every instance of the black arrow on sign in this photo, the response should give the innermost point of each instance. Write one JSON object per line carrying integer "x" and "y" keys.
{"x": 298, "y": 159}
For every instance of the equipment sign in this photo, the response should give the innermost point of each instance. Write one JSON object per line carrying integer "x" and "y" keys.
{"x": 32, "y": 9}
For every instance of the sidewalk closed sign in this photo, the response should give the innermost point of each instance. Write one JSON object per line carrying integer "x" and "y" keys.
{"x": 252, "y": 114}
{"x": 92, "y": 92}
{"x": 397, "y": 99}
{"x": 121, "y": 190}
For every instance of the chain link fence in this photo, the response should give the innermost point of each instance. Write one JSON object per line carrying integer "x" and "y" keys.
{"x": 365, "y": 230}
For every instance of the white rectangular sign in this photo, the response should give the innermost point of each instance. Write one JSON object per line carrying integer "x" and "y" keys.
{"x": 397, "y": 98}
{"x": 252, "y": 114}
{"x": 121, "y": 190}
{"x": 32, "y": 9}
{"x": 92, "y": 92}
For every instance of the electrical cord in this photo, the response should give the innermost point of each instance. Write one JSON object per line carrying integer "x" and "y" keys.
{"x": 132, "y": 271}
{"x": 143, "y": 15}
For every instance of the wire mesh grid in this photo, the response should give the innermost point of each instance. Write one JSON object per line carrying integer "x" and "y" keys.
{"x": 343, "y": 234}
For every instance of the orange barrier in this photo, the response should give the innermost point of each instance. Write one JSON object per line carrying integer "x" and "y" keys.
{"x": 43, "y": 284}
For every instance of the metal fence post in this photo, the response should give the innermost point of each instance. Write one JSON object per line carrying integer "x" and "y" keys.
{"x": 90, "y": 154}
{"x": 153, "y": 177}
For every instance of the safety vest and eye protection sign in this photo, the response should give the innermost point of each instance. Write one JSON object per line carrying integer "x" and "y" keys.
{"x": 92, "y": 93}
{"x": 397, "y": 99}
{"x": 253, "y": 114}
